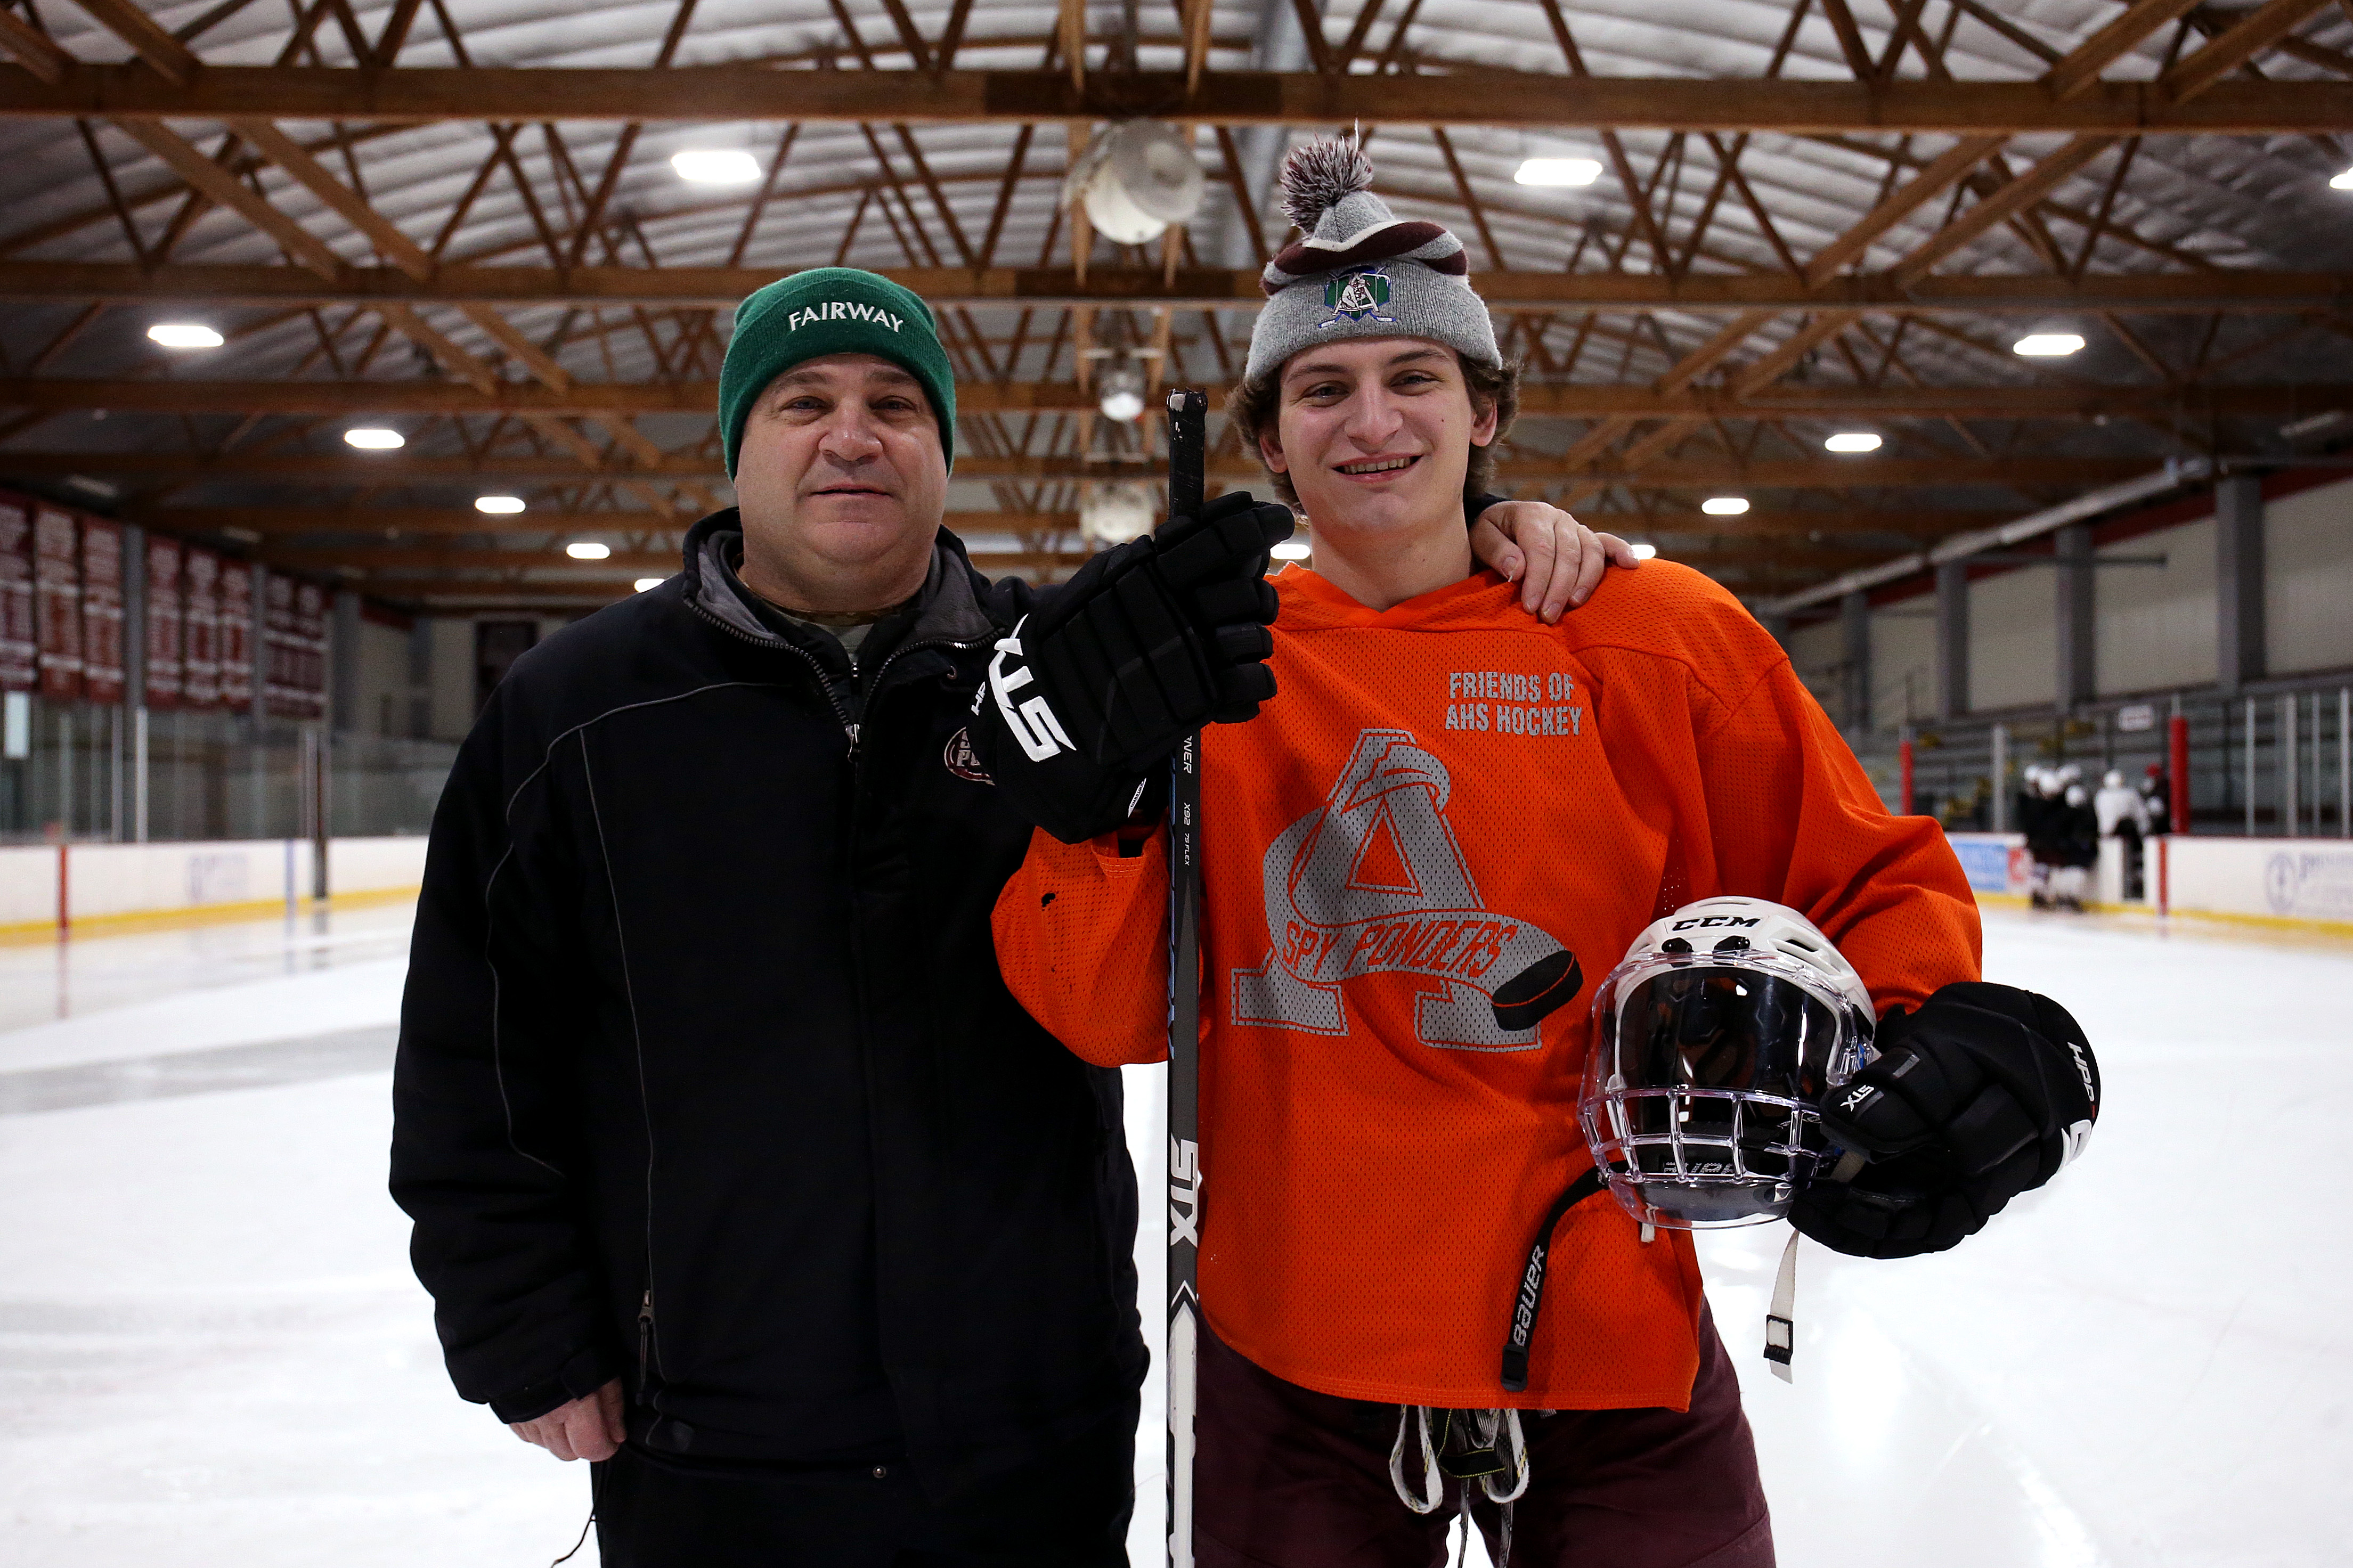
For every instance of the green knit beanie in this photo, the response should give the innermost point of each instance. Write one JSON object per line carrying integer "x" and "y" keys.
{"x": 830, "y": 311}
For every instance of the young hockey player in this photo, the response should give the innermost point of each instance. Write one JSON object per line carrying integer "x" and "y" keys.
{"x": 1414, "y": 859}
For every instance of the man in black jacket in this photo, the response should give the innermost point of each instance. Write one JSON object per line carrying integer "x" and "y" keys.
{"x": 733, "y": 1165}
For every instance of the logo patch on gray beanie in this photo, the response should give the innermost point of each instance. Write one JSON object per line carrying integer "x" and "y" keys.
{"x": 1355, "y": 296}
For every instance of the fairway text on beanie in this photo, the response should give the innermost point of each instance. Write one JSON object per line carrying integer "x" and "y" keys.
{"x": 830, "y": 311}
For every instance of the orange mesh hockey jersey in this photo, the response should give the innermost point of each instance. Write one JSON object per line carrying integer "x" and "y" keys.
{"x": 1445, "y": 797}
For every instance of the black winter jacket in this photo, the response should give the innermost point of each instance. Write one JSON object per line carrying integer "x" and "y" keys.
{"x": 707, "y": 1076}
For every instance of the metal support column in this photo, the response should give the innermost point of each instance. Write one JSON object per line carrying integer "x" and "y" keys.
{"x": 2291, "y": 803}
{"x": 134, "y": 684}
{"x": 2001, "y": 778}
{"x": 343, "y": 664}
{"x": 257, "y": 717}
{"x": 2077, "y": 676}
{"x": 1952, "y": 639}
{"x": 139, "y": 774}
{"x": 322, "y": 798}
{"x": 2344, "y": 762}
{"x": 2251, "y": 767}
{"x": 2238, "y": 582}
{"x": 65, "y": 772}
{"x": 1854, "y": 634}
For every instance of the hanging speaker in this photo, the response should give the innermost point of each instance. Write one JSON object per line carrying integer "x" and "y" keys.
{"x": 1135, "y": 179}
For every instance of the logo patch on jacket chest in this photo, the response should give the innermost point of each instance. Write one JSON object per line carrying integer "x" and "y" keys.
{"x": 963, "y": 761}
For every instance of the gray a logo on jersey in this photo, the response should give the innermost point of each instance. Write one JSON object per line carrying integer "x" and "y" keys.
{"x": 1374, "y": 882}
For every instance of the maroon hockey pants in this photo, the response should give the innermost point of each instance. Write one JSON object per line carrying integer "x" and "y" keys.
{"x": 1291, "y": 1479}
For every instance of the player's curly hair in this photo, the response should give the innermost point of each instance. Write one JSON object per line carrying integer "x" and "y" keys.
{"x": 1253, "y": 407}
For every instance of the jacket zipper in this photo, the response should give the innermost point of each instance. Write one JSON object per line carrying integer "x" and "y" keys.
{"x": 645, "y": 1337}
{"x": 841, "y": 714}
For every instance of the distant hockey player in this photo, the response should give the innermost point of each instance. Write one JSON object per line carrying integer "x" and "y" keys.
{"x": 2123, "y": 816}
{"x": 2074, "y": 830}
{"x": 2041, "y": 806}
{"x": 1448, "y": 816}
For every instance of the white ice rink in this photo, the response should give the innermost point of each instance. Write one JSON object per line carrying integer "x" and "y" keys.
{"x": 212, "y": 1353}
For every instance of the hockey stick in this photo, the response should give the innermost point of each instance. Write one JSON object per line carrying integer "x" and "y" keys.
{"x": 1188, "y": 453}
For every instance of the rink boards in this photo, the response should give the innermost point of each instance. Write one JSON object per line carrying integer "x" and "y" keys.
{"x": 97, "y": 886}
{"x": 2293, "y": 883}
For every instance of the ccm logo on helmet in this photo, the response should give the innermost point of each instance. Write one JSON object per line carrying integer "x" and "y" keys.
{"x": 1705, "y": 922}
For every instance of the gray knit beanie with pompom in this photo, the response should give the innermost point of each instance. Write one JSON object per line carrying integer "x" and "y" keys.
{"x": 1361, "y": 271}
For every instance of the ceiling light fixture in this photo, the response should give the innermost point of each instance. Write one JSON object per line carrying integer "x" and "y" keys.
{"x": 2343, "y": 182}
{"x": 375, "y": 438}
{"x": 1854, "y": 441}
{"x": 587, "y": 549}
{"x": 184, "y": 335}
{"x": 2048, "y": 346}
{"x": 646, "y": 582}
{"x": 1113, "y": 514}
{"x": 1292, "y": 550}
{"x": 1121, "y": 388}
{"x": 1725, "y": 506}
{"x": 498, "y": 506}
{"x": 1645, "y": 552}
{"x": 1558, "y": 172}
{"x": 717, "y": 166}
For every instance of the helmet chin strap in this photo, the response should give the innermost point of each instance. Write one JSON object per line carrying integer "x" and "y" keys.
{"x": 1781, "y": 1318}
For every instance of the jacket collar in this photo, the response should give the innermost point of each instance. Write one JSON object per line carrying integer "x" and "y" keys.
{"x": 947, "y": 610}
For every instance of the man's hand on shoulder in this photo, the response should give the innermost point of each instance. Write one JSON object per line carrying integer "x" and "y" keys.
{"x": 1556, "y": 560}
{"x": 589, "y": 1427}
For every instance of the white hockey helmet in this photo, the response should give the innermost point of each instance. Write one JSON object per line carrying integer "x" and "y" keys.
{"x": 1713, "y": 1041}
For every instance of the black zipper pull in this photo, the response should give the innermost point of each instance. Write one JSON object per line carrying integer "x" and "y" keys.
{"x": 645, "y": 1340}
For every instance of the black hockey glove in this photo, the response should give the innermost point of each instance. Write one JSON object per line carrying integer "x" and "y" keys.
{"x": 1148, "y": 642}
{"x": 1982, "y": 1094}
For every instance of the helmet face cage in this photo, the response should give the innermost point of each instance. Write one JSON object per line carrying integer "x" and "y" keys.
{"x": 1702, "y": 1082}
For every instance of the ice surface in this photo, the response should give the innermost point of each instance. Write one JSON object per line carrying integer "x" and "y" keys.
{"x": 120, "y": 997}
{"x": 212, "y": 1353}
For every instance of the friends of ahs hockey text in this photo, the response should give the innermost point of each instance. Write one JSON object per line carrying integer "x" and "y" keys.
{"x": 1500, "y": 702}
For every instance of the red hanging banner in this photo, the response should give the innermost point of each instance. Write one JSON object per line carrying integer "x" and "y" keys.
{"x": 236, "y": 639}
{"x": 101, "y": 611}
{"x": 166, "y": 672}
{"x": 57, "y": 589}
{"x": 200, "y": 670}
{"x": 19, "y": 645}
